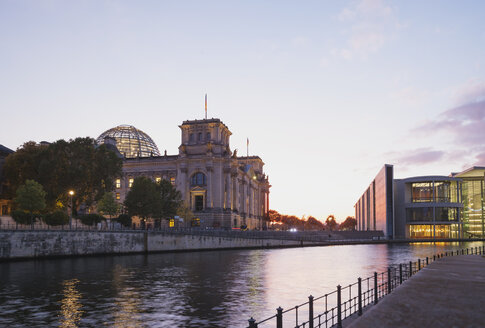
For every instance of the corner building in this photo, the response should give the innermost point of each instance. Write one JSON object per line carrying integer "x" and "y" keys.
{"x": 221, "y": 188}
{"x": 425, "y": 207}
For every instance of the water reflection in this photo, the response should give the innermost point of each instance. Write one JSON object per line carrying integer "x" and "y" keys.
{"x": 71, "y": 312}
{"x": 200, "y": 289}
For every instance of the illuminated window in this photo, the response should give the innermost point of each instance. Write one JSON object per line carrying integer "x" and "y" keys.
{"x": 198, "y": 179}
{"x": 172, "y": 181}
{"x": 130, "y": 182}
{"x": 158, "y": 179}
{"x": 118, "y": 183}
{"x": 118, "y": 196}
{"x": 171, "y": 223}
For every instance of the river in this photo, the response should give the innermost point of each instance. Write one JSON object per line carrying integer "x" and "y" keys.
{"x": 197, "y": 289}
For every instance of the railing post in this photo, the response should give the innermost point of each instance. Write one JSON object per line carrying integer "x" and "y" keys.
{"x": 376, "y": 291}
{"x": 400, "y": 274}
{"x": 339, "y": 306}
{"x": 410, "y": 268}
{"x": 389, "y": 281}
{"x": 419, "y": 264}
{"x": 279, "y": 317}
{"x": 467, "y": 251}
{"x": 310, "y": 311}
{"x": 427, "y": 260}
{"x": 434, "y": 257}
{"x": 359, "y": 289}
{"x": 252, "y": 323}
{"x": 446, "y": 253}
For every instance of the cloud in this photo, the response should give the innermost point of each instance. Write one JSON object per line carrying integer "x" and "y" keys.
{"x": 463, "y": 125}
{"x": 368, "y": 24}
{"x": 421, "y": 156}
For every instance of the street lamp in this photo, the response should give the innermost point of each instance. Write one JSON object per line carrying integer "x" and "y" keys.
{"x": 71, "y": 193}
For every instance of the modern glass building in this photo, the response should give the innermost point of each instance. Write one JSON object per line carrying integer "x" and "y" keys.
{"x": 427, "y": 207}
{"x": 130, "y": 141}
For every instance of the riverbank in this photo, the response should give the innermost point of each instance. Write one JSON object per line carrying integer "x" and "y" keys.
{"x": 447, "y": 293}
{"x": 27, "y": 244}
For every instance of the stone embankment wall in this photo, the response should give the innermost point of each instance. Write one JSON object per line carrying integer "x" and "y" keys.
{"x": 35, "y": 244}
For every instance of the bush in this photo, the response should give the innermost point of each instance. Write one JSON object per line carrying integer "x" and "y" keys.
{"x": 56, "y": 218}
{"x": 124, "y": 219}
{"x": 90, "y": 219}
{"x": 21, "y": 217}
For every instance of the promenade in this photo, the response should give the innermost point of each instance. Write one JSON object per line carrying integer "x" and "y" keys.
{"x": 448, "y": 293}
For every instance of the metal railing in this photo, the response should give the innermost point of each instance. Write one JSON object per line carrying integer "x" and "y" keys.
{"x": 334, "y": 307}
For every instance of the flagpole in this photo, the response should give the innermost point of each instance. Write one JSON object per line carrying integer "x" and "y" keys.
{"x": 206, "y": 106}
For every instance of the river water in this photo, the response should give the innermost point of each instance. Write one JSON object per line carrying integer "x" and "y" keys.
{"x": 198, "y": 289}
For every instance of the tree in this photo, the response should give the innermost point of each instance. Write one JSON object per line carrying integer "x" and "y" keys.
{"x": 349, "y": 224}
{"x": 185, "y": 213}
{"x": 330, "y": 222}
{"x": 170, "y": 200}
{"x": 313, "y": 224}
{"x": 77, "y": 164}
{"x": 107, "y": 205}
{"x": 30, "y": 198}
{"x": 143, "y": 199}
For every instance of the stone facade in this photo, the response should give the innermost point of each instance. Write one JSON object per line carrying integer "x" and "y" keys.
{"x": 221, "y": 188}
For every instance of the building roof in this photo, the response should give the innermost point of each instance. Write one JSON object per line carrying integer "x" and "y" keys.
{"x": 204, "y": 121}
{"x": 4, "y": 150}
{"x": 472, "y": 172}
{"x": 130, "y": 141}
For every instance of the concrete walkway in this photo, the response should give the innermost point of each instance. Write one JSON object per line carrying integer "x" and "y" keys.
{"x": 448, "y": 293}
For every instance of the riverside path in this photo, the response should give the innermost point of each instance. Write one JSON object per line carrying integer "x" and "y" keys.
{"x": 447, "y": 293}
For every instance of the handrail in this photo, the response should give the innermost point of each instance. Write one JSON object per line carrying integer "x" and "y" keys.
{"x": 377, "y": 286}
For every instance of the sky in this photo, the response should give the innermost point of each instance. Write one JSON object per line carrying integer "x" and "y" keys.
{"x": 326, "y": 91}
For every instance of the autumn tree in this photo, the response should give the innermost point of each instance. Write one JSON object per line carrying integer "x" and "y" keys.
{"x": 349, "y": 224}
{"x": 330, "y": 223}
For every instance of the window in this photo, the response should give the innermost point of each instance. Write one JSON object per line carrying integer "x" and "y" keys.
{"x": 191, "y": 137}
{"x": 208, "y": 136}
{"x": 118, "y": 183}
{"x": 419, "y": 214}
{"x": 198, "y": 179}
{"x": 172, "y": 181}
{"x": 199, "y": 202}
{"x": 199, "y": 137}
{"x": 158, "y": 179}
{"x": 118, "y": 196}
{"x": 422, "y": 192}
{"x": 130, "y": 182}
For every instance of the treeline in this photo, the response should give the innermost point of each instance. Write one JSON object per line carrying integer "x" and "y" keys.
{"x": 286, "y": 222}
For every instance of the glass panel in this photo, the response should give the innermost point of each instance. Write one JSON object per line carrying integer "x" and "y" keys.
{"x": 443, "y": 192}
{"x": 445, "y": 214}
{"x": 419, "y": 214}
{"x": 473, "y": 208}
{"x": 118, "y": 183}
{"x": 422, "y": 192}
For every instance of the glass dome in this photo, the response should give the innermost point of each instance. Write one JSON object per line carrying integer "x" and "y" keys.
{"x": 130, "y": 141}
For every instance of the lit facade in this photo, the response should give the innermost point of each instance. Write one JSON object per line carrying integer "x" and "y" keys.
{"x": 5, "y": 205}
{"x": 221, "y": 188}
{"x": 428, "y": 207}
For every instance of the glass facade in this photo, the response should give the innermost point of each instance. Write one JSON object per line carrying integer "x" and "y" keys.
{"x": 422, "y": 192}
{"x": 473, "y": 207}
{"x": 417, "y": 231}
{"x": 130, "y": 141}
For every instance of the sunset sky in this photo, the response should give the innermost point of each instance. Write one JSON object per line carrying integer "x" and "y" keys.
{"x": 327, "y": 92}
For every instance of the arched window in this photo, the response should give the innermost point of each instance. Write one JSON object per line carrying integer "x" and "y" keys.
{"x": 198, "y": 179}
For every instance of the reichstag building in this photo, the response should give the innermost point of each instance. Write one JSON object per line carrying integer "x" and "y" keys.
{"x": 221, "y": 188}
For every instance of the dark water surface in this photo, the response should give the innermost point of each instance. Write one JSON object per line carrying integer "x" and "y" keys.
{"x": 199, "y": 289}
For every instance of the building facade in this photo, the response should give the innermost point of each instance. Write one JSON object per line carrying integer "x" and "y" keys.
{"x": 221, "y": 188}
{"x": 5, "y": 205}
{"x": 433, "y": 207}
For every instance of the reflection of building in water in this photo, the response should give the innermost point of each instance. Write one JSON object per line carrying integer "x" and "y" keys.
{"x": 433, "y": 207}
{"x": 221, "y": 188}
{"x": 71, "y": 312}
{"x": 126, "y": 309}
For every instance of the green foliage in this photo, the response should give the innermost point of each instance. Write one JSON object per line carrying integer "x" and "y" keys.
{"x": 170, "y": 200}
{"x": 90, "y": 219}
{"x": 56, "y": 218}
{"x": 21, "y": 217}
{"x": 76, "y": 164}
{"x": 30, "y": 197}
{"x": 124, "y": 219}
{"x": 143, "y": 199}
{"x": 107, "y": 205}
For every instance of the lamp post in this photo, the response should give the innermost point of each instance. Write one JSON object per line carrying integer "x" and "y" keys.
{"x": 71, "y": 193}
